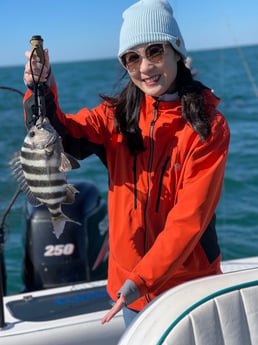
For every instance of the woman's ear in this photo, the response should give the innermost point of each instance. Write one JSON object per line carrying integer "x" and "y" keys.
{"x": 178, "y": 57}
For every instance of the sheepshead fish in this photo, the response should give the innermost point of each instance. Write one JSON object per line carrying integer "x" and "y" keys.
{"x": 40, "y": 168}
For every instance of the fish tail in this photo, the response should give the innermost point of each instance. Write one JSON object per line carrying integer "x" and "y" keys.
{"x": 59, "y": 224}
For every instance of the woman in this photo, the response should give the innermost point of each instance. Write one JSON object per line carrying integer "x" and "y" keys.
{"x": 165, "y": 146}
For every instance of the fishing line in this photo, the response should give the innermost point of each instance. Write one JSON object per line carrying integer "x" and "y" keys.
{"x": 248, "y": 71}
{"x": 2, "y": 265}
{"x": 12, "y": 89}
{"x": 18, "y": 190}
{"x": 41, "y": 70}
{"x": 38, "y": 87}
{"x": 15, "y": 196}
{"x": 240, "y": 52}
{"x": 2, "y": 233}
{"x": 243, "y": 59}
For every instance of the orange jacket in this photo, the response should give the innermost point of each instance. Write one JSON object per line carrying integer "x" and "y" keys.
{"x": 161, "y": 201}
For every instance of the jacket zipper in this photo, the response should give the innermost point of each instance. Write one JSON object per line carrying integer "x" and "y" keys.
{"x": 160, "y": 182}
{"x": 135, "y": 182}
{"x": 151, "y": 131}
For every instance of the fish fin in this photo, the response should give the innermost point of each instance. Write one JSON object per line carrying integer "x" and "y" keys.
{"x": 68, "y": 162}
{"x": 74, "y": 163}
{"x": 17, "y": 173}
{"x": 71, "y": 191}
{"x": 59, "y": 224}
{"x": 49, "y": 150}
{"x": 32, "y": 199}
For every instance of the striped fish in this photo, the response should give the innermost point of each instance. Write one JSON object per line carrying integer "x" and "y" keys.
{"x": 40, "y": 169}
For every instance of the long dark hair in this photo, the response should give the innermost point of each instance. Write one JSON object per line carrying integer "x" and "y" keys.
{"x": 128, "y": 105}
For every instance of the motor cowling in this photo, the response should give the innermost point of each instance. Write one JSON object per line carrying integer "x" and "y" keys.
{"x": 79, "y": 255}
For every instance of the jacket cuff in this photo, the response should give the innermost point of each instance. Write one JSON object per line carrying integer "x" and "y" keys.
{"x": 130, "y": 291}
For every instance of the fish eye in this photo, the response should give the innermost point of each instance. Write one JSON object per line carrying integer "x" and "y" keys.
{"x": 32, "y": 134}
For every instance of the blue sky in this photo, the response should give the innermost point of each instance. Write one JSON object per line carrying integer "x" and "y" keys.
{"x": 88, "y": 29}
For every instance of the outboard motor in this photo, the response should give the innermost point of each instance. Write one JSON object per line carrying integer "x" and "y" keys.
{"x": 79, "y": 255}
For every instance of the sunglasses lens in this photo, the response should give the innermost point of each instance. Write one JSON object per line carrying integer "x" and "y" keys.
{"x": 154, "y": 52}
{"x": 131, "y": 60}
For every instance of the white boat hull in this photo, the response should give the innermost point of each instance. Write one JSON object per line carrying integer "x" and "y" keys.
{"x": 73, "y": 325}
{"x": 71, "y": 315}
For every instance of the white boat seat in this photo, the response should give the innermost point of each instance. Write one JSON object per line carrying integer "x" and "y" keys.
{"x": 217, "y": 310}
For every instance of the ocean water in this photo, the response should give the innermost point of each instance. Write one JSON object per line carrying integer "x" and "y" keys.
{"x": 233, "y": 75}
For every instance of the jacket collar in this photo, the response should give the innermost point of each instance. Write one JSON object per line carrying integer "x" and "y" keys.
{"x": 210, "y": 99}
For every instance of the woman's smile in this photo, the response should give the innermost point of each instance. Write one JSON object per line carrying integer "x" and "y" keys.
{"x": 149, "y": 81}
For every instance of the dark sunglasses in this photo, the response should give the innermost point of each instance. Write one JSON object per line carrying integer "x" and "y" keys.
{"x": 153, "y": 52}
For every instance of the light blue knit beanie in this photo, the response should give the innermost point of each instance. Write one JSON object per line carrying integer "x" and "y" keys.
{"x": 150, "y": 21}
